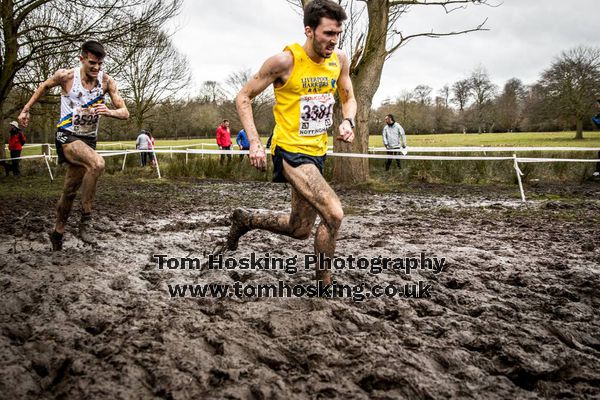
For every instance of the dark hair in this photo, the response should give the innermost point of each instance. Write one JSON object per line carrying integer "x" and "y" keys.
{"x": 317, "y": 9}
{"x": 598, "y": 100}
{"x": 225, "y": 120}
{"x": 391, "y": 117}
{"x": 94, "y": 47}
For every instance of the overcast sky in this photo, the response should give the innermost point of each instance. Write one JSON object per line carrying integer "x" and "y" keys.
{"x": 524, "y": 37}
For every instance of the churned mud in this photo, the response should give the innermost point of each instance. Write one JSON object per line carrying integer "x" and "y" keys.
{"x": 513, "y": 313}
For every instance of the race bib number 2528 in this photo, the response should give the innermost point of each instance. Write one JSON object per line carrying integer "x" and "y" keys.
{"x": 316, "y": 113}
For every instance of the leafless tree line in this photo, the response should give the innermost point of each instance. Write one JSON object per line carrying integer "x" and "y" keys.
{"x": 563, "y": 98}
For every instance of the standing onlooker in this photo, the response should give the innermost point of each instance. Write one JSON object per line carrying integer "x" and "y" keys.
{"x": 142, "y": 143}
{"x": 224, "y": 139}
{"x": 242, "y": 142}
{"x": 151, "y": 147}
{"x": 596, "y": 120}
{"x": 393, "y": 137}
{"x": 15, "y": 146}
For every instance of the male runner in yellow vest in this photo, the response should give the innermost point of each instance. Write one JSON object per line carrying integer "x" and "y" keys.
{"x": 305, "y": 79}
{"x": 81, "y": 105}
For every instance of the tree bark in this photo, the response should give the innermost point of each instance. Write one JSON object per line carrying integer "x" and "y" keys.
{"x": 579, "y": 134}
{"x": 366, "y": 76}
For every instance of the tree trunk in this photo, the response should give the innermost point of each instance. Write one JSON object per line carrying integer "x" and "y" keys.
{"x": 365, "y": 79}
{"x": 579, "y": 134}
{"x": 3, "y": 135}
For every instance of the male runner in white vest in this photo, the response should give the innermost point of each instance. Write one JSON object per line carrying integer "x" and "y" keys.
{"x": 81, "y": 106}
{"x": 305, "y": 78}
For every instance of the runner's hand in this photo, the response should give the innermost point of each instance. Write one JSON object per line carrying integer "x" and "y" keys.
{"x": 101, "y": 109}
{"x": 258, "y": 159}
{"x": 346, "y": 132}
{"x": 23, "y": 119}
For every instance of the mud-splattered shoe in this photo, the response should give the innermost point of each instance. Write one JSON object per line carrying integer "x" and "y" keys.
{"x": 240, "y": 219}
{"x": 57, "y": 240}
{"x": 86, "y": 233}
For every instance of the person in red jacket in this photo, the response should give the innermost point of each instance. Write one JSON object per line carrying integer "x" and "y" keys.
{"x": 15, "y": 146}
{"x": 224, "y": 139}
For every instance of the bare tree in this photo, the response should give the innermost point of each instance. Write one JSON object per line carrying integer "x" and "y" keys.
{"x": 483, "y": 91}
{"x": 509, "y": 105}
{"x": 422, "y": 93}
{"x": 211, "y": 92}
{"x": 35, "y": 30}
{"x": 444, "y": 93}
{"x": 379, "y": 39}
{"x": 461, "y": 93}
{"x": 146, "y": 81}
{"x": 570, "y": 84}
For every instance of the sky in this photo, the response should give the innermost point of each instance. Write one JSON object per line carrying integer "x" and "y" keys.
{"x": 524, "y": 37}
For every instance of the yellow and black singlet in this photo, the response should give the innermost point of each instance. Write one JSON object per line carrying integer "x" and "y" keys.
{"x": 304, "y": 104}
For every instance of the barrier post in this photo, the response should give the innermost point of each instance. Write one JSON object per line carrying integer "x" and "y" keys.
{"x": 157, "y": 166}
{"x": 49, "y": 169}
{"x": 124, "y": 159}
{"x": 519, "y": 174}
{"x": 186, "y": 156}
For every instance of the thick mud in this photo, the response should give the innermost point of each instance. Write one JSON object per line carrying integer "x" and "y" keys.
{"x": 513, "y": 314}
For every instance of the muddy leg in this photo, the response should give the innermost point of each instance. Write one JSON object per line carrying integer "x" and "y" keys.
{"x": 83, "y": 155}
{"x": 297, "y": 224}
{"x": 310, "y": 184}
{"x": 73, "y": 179}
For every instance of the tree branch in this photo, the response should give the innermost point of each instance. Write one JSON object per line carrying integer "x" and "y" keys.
{"x": 405, "y": 39}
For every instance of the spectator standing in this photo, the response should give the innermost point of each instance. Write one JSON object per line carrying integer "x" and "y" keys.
{"x": 393, "y": 138}
{"x": 15, "y": 146}
{"x": 224, "y": 139}
{"x": 142, "y": 143}
{"x": 151, "y": 147}
{"x": 242, "y": 142}
{"x": 596, "y": 121}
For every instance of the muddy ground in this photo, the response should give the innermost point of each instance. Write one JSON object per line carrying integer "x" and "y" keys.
{"x": 514, "y": 314}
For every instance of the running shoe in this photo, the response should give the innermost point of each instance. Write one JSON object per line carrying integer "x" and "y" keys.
{"x": 57, "y": 240}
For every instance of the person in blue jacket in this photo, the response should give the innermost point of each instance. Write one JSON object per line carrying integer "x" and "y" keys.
{"x": 596, "y": 118}
{"x": 242, "y": 141}
{"x": 596, "y": 121}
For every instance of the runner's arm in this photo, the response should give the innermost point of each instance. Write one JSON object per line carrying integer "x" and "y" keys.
{"x": 120, "y": 111}
{"x": 346, "y": 93}
{"x": 58, "y": 79}
{"x": 273, "y": 69}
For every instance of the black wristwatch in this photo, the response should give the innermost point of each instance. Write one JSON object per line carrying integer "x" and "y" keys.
{"x": 351, "y": 122}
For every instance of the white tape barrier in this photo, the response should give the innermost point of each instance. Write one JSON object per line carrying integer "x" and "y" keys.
{"x": 45, "y": 157}
{"x": 474, "y": 149}
{"x": 110, "y": 153}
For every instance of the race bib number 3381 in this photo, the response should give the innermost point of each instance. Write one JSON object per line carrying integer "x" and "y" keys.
{"x": 316, "y": 113}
